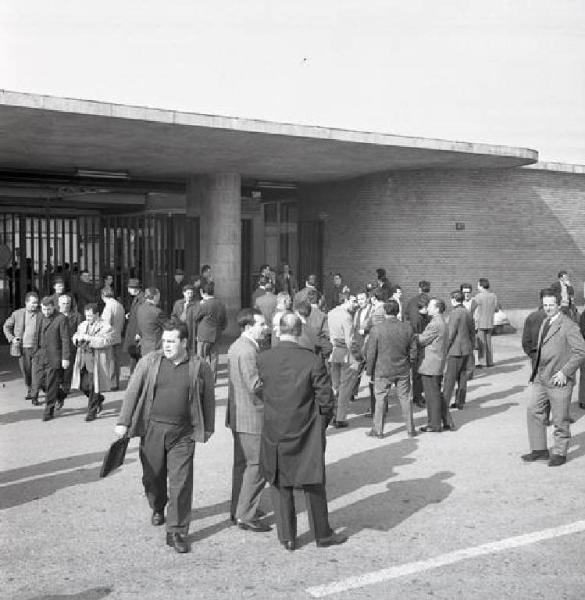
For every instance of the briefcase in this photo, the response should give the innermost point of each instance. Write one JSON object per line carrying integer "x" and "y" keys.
{"x": 115, "y": 455}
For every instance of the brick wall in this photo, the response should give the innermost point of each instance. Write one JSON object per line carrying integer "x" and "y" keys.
{"x": 521, "y": 227}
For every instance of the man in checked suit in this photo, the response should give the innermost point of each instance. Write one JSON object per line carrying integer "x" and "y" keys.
{"x": 561, "y": 351}
{"x": 461, "y": 341}
{"x": 244, "y": 416}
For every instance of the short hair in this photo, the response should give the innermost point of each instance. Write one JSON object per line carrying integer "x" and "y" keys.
{"x": 268, "y": 286}
{"x": 265, "y": 266}
{"x": 93, "y": 307}
{"x": 188, "y": 286}
{"x": 458, "y": 296}
{"x": 150, "y": 293}
{"x": 396, "y": 288}
{"x": 561, "y": 273}
{"x": 548, "y": 293}
{"x": 284, "y": 297}
{"x": 391, "y": 307}
{"x": 344, "y": 297}
{"x": 464, "y": 286}
{"x": 246, "y": 317}
{"x": 440, "y": 304}
{"x": 58, "y": 280}
{"x": 425, "y": 286}
{"x": 338, "y": 275}
{"x": 380, "y": 273}
{"x": 380, "y": 294}
{"x": 484, "y": 282}
{"x": 303, "y": 308}
{"x": 205, "y": 268}
{"x": 30, "y": 295}
{"x": 208, "y": 288}
{"x": 262, "y": 280}
{"x": 312, "y": 276}
{"x": 313, "y": 296}
{"x": 68, "y": 296}
{"x": 422, "y": 302}
{"x": 177, "y": 325}
{"x": 48, "y": 301}
{"x": 290, "y": 324}
{"x": 108, "y": 293}
{"x": 543, "y": 291}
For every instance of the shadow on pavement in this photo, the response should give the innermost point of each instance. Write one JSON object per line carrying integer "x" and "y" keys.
{"x": 92, "y": 594}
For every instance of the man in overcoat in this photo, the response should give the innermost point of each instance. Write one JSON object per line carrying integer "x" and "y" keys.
{"x": 149, "y": 321}
{"x": 298, "y": 403}
{"x": 487, "y": 304}
{"x": 244, "y": 417}
{"x": 130, "y": 346}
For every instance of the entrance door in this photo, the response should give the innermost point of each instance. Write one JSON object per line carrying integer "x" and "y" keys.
{"x": 310, "y": 250}
{"x": 246, "y": 258}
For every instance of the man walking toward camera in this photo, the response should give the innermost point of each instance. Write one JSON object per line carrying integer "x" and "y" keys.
{"x": 170, "y": 404}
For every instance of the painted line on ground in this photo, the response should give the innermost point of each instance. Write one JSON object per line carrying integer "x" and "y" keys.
{"x": 359, "y": 581}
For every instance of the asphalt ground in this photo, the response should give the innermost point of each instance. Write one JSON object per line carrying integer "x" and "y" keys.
{"x": 449, "y": 515}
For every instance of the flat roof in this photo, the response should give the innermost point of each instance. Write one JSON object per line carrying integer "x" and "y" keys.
{"x": 48, "y": 133}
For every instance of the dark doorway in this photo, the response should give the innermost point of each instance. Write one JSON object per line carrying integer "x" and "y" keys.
{"x": 311, "y": 235}
{"x": 246, "y": 254}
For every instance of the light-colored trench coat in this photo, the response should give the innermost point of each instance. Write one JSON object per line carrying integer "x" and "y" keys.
{"x": 101, "y": 342}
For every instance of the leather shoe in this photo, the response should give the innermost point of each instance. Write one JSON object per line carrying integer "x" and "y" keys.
{"x": 429, "y": 429}
{"x": 289, "y": 545}
{"x": 372, "y": 433}
{"x": 333, "y": 540}
{"x": 556, "y": 460}
{"x": 47, "y": 416}
{"x": 450, "y": 427}
{"x": 178, "y": 541}
{"x": 158, "y": 518}
{"x": 100, "y": 403}
{"x": 90, "y": 416}
{"x": 535, "y": 455}
{"x": 35, "y": 401}
{"x": 339, "y": 424}
{"x": 255, "y": 526}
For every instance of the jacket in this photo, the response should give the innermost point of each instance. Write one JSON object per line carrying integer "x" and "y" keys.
{"x": 149, "y": 322}
{"x": 113, "y": 314}
{"x": 487, "y": 303}
{"x": 390, "y": 350}
{"x": 461, "y": 332}
{"x": 139, "y": 396}
{"x": 530, "y": 333}
{"x": 14, "y": 325}
{"x": 245, "y": 408}
{"x": 211, "y": 319}
{"x": 131, "y": 326}
{"x": 434, "y": 339}
{"x": 57, "y": 341}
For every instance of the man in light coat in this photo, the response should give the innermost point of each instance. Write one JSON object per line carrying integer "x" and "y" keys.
{"x": 435, "y": 339}
{"x": 113, "y": 314}
{"x": 561, "y": 351}
{"x": 487, "y": 303}
{"x": 244, "y": 416}
{"x": 91, "y": 371}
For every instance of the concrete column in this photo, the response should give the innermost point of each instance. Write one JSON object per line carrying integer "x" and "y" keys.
{"x": 216, "y": 200}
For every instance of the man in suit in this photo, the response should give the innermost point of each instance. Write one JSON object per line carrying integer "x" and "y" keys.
{"x": 210, "y": 319}
{"x": 391, "y": 349}
{"x": 311, "y": 338}
{"x": 317, "y": 320}
{"x": 261, "y": 287}
{"x": 435, "y": 339}
{"x": 244, "y": 417}
{"x": 286, "y": 281}
{"x": 19, "y": 329}
{"x": 113, "y": 315}
{"x": 331, "y": 296}
{"x": 561, "y": 351}
{"x": 73, "y": 321}
{"x": 181, "y": 306}
{"x": 149, "y": 322}
{"x": 383, "y": 283}
{"x": 266, "y": 303}
{"x": 130, "y": 346}
{"x": 59, "y": 290}
{"x": 362, "y": 322}
{"x": 170, "y": 405}
{"x": 565, "y": 291}
{"x": 51, "y": 353}
{"x": 470, "y": 304}
{"x": 531, "y": 329}
{"x": 85, "y": 292}
{"x": 297, "y": 406}
{"x": 310, "y": 284}
{"x": 340, "y": 321}
{"x": 487, "y": 303}
{"x": 460, "y": 351}
{"x": 178, "y": 285}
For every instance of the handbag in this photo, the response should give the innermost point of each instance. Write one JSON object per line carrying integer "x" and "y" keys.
{"x": 15, "y": 349}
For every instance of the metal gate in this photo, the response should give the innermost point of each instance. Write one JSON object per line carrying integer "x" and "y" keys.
{"x": 149, "y": 247}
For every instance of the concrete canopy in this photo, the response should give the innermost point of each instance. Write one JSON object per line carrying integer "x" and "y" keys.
{"x": 47, "y": 133}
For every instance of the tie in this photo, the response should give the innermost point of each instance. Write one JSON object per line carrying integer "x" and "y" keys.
{"x": 544, "y": 331}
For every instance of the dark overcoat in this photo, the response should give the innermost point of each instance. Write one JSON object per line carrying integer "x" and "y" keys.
{"x": 298, "y": 402}
{"x": 131, "y": 326}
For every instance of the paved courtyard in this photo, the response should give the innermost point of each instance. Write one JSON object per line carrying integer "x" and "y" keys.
{"x": 450, "y": 515}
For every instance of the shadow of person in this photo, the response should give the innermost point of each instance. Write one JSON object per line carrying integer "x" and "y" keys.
{"x": 385, "y": 510}
{"x": 22, "y": 492}
{"x": 92, "y": 594}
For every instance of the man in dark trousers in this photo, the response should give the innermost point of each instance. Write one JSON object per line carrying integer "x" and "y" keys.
{"x": 244, "y": 417}
{"x": 51, "y": 353}
{"x": 149, "y": 321}
{"x": 561, "y": 351}
{"x": 298, "y": 405}
{"x": 460, "y": 350}
{"x": 391, "y": 349}
{"x": 210, "y": 318}
{"x": 170, "y": 404}
{"x": 130, "y": 346}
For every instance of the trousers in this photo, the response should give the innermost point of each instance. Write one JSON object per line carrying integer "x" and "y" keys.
{"x": 456, "y": 372}
{"x": 382, "y": 387}
{"x": 45, "y": 376}
{"x": 484, "y": 347}
{"x": 247, "y": 482}
{"x": 285, "y": 511}
{"x": 437, "y": 407}
{"x": 166, "y": 450}
{"x": 208, "y": 352}
{"x": 87, "y": 387}
{"x": 26, "y": 367}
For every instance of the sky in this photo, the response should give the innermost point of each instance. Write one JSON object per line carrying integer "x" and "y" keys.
{"x": 508, "y": 72}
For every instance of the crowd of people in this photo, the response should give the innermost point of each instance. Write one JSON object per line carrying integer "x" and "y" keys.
{"x": 293, "y": 372}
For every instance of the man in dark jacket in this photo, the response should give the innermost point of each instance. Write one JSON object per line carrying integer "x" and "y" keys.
{"x": 460, "y": 350}
{"x": 149, "y": 321}
{"x": 130, "y": 346}
{"x": 530, "y": 331}
{"x": 298, "y": 405}
{"x": 51, "y": 353}
{"x": 170, "y": 404}
{"x": 391, "y": 349}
